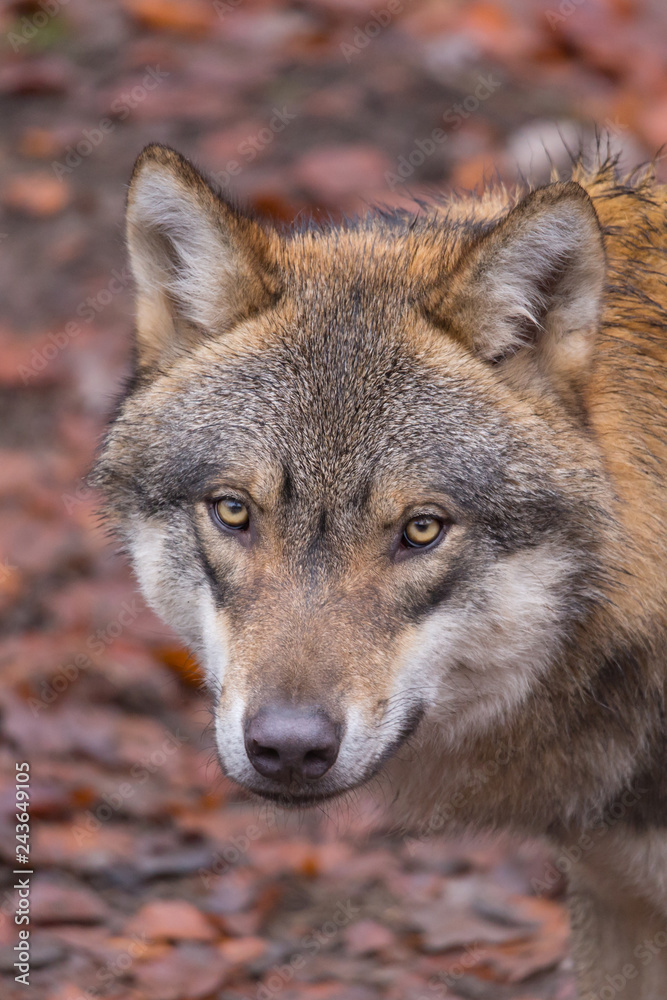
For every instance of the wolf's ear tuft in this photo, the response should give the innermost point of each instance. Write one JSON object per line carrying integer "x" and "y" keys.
{"x": 199, "y": 265}
{"x": 531, "y": 289}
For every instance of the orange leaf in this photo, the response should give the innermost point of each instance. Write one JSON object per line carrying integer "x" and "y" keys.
{"x": 189, "y": 17}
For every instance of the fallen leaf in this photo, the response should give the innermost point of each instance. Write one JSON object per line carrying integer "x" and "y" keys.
{"x": 243, "y": 951}
{"x": 183, "y": 663}
{"x": 367, "y": 937}
{"x": 184, "y": 972}
{"x": 333, "y": 173}
{"x": 189, "y": 17}
{"x": 516, "y": 961}
{"x": 39, "y": 143}
{"x": 36, "y": 194}
{"x": 53, "y": 903}
{"x": 171, "y": 920}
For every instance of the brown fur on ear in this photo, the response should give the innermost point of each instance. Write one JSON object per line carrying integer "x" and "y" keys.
{"x": 531, "y": 289}
{"x": 199, "y": 265}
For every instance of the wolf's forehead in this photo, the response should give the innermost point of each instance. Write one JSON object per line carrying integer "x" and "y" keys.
{"x": 338, "y": 415}
{"x": 344, "y": 362}
{"x": 335, "y": 396}
{"x": 339, "y": 393}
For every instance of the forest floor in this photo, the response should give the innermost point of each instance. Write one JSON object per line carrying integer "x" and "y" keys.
{"x": 154, "y": 879}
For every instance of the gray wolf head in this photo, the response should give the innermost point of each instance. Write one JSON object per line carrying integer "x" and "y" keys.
{"x": 353, "y": 468}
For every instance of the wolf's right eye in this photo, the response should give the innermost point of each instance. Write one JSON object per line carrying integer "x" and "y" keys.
{"x": 422, "y": 531}
{"x": 232, "y": 513}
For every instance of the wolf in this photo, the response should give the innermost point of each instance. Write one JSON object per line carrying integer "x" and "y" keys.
{"x": 400, "y": 483}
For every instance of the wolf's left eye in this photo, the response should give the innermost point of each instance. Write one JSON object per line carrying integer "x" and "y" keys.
{"x": 232, "y": 513}
{"x": 421, "y": 531}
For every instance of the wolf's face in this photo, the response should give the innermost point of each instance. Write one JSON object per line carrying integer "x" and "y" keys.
{"x": 353, "y": 470}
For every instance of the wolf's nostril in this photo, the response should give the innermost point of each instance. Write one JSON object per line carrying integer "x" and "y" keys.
{"x": 286, "y": 743}
{"x": 267, "y": 757}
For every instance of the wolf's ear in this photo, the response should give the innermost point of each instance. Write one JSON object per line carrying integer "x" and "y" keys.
{"x": 199, "y": 265}
{"x": 531, "y": 289}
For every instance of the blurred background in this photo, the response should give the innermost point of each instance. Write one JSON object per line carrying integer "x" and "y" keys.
{"x": 154, "y": 879}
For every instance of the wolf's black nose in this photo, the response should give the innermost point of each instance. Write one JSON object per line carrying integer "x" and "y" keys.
{"x": 285, "y": 743}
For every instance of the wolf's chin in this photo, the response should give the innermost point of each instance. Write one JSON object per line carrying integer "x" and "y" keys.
{"x": 287, "y": 801}
{"x": 301, "y": 797}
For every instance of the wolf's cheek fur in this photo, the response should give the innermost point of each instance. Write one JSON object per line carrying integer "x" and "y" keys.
{"x": 175, "y": 586}
{"x": 479, "y": 662}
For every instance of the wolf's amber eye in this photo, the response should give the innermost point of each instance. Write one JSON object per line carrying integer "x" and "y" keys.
{"x": 422, "y": 531}
{"x": 232, "y": 513}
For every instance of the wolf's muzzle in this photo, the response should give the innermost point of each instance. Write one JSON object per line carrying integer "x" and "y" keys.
{"x": 290, "y": 745}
